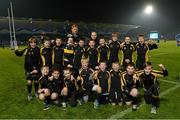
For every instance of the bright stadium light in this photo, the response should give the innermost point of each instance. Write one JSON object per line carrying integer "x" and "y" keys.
{"x": 148, "y": 9}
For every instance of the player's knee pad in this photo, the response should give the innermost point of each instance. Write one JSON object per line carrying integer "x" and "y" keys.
{"x": 134, "y": 92}
{"x": 41, "y": 96}
{"x": 54, "y": 96}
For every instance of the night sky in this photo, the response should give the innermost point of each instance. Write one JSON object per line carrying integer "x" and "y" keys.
{"x": 166, "y": 13}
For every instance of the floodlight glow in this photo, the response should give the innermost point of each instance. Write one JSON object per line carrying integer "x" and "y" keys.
{"x": 148, "y": 9}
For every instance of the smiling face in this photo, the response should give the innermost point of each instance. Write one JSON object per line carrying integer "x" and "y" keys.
{"x": 74, "y": 30}
{"x": 55, "y": 74}
{"x": 114, "y": 38}
{"x": 67, "y": 74}
{"x": 147, "y": 70}
{"x": 93, "y": 35}
{"x": 81, "y": 43}
{"x": 102, "y": 66}
{"x": 130, "y": 70}
{"x": 70, "y": 41}
{"x": 127, "y": 40}
{"x": 84, "y": 64}
{"x": 91, "y": 43}
{"x": 47, "y": 44}
{"x": 115, "y": 67}
{"x": 45, "y": 71}
{"x": 32, "y": 44}
{"x": 102, "y": 42}
{"x": 58, "y": 41}
{"x": 141, "y": 39}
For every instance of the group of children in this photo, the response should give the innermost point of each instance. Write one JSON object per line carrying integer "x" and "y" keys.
{"x": 78, "y": 71}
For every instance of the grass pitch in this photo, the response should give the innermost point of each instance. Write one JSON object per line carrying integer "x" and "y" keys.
{"x": 13, "y": 94}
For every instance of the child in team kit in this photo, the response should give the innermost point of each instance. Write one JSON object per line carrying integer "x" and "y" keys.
{"x": 31, "y": 65}
{"x": 148, "y": 78}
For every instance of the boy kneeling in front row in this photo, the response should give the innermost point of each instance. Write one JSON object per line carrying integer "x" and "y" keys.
{"x": 148, "y": 78}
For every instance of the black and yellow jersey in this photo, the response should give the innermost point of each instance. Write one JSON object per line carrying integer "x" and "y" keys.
{"x": 32, "y": 58}
{"x": 69, "y": 54}
{"x": 142, "y": 55}
{"x": 148, "y": 80}
{"x": 57, "y": 55}
{"x": 115, "y": 77}
{"x": 79, "y": 53}
{"x": 43, "y": 80}
{"x": 128, "y": 82}
{"x": 127, "y": 53}
{"x": 46, "y": 56}
{"x": 85, "y": 78}
{"x": 56, "y": 85}
{"x": 70, "y": 84}
{"x": 103, "y": 53}
{"x": 92, "y": 55}
{"x": 114, "y": 48}
{"x": 102, "y": 79}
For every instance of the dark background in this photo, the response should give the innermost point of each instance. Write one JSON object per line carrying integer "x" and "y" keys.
{"x": 165, "y": 16}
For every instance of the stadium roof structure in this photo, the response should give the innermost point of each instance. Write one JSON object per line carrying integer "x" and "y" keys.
{"x": 36, "y": 26}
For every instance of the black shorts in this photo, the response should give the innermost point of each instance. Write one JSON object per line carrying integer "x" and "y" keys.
{"x": 32, "y": 77}
{"x": 152, "y": 91}
{"x": 54, "y": 90}
{"x": 126, "y": 96}
{"x": 88, "y": 90}
{"x": 115, "y": 95}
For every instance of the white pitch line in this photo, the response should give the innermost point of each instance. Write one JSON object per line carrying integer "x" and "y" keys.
{"x": 123, "y": 113}
{"x": 167, "y": 81}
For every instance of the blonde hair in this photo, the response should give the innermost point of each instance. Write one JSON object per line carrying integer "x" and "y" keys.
{"x": 84, "y": 60}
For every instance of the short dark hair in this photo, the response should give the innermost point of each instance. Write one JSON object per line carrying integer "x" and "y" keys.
{"x": 101, "y": 37}
{"x": 115, "y": 63}
{"x": 130, "y": 64}
{"x": 55, "y": 70}
{"x": 82, "y": 39}
{"x": 67, "y": 69}
{"x": 127, "y": 35}
{"x": 103, "y": 62}
{"x": 141, "y": 35}
{"x": 115, "y": 34}
{"x": 147, "y": 64}
{"x": 46, "y": 39}
{"x": 74, "y": 25}
{"x": 58, "y": 37}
